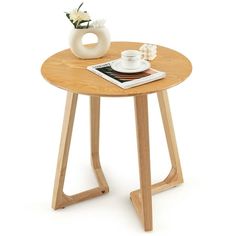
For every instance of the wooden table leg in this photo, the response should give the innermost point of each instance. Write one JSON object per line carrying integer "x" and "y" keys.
{"x": 60, "y": 199}
{"x": 95, "y": 121}
{"x": 175, "y": 176}
{"x": 143, "y": 200}
{"x": 64, "y": 149}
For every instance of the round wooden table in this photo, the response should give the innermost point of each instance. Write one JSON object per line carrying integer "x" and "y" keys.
{"x": 66, "y": 71}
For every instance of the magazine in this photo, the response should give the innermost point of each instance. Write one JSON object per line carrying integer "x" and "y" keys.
{"x": 126, "y": 80}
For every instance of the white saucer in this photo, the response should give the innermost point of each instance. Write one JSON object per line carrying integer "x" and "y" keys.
{"x": 116, "y": 65}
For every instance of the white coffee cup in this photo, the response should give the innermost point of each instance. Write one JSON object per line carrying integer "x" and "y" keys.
{"x": 131, "y": 59}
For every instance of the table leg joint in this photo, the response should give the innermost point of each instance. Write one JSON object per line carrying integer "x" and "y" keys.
{"x": 65, "y": 200}
{"x": 172, "y": 180}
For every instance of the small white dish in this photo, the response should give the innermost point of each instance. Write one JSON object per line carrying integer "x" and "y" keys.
{"x": 117, "y": 66}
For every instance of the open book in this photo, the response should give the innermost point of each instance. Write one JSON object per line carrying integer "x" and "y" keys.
{"x": 126, "y": 80}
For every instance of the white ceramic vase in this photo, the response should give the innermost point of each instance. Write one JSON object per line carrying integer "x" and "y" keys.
{"x": 84, "y": 52}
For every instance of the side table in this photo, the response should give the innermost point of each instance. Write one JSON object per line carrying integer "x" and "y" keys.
{"x": 66, "y": 71}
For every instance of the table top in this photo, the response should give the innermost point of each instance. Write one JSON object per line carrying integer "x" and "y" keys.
{"x": 68, "y": 72}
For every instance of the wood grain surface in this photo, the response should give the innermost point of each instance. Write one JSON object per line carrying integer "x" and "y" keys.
{"x": 68, "y": 72}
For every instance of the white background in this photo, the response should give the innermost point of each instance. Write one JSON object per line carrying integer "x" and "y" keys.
{"x": 203, "y": 110}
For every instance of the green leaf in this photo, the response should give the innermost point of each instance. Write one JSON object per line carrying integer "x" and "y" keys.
{"x": 68, "y": 16}
{"x": 82, "y": 24}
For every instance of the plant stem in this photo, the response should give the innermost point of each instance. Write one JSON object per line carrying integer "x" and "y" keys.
{"x": 80, "y": 6}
